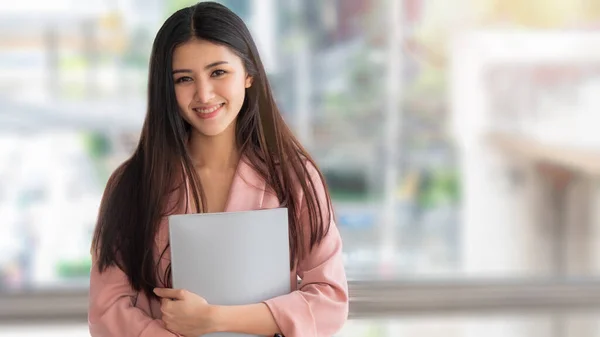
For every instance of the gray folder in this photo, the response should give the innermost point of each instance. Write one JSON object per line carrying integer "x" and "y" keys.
{"x": 231, "y": 258}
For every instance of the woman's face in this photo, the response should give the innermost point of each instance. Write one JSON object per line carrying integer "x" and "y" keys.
{"x": 210, "y": 85}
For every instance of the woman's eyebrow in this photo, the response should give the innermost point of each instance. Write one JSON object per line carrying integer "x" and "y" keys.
{"x": 214, "y": 64}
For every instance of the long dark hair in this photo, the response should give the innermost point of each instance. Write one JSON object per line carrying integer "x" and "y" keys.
{"x": 136, "y": 196}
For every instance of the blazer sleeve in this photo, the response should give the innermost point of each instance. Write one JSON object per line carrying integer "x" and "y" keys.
{"x": 319, "y": 308}
{"x": 111, "y": 312}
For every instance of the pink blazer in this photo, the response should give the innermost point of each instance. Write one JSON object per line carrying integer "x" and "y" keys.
{"x": 318, "y": 307}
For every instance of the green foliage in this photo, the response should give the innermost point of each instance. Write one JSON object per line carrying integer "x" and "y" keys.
{"x": 174, "y": 5}
{"x": 439, "y": 188}
{"x": 74, "y": 268}
{"x": 97, "y": 145}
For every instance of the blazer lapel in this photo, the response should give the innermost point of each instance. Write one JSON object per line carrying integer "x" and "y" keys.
{"x": 247, "y": 190}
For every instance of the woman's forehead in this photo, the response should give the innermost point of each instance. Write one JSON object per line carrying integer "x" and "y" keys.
{"x": 202, "y": 53}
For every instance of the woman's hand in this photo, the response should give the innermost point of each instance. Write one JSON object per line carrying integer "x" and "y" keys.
{"x": 185, "y": 313}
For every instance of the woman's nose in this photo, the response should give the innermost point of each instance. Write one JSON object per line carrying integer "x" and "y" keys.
{"x": 204, "y": 91}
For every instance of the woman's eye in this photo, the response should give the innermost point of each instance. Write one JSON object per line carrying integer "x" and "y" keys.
{"x": 183, "y": 79}
{"x": 218, "y": 72}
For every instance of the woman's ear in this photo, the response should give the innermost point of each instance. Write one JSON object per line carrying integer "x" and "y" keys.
{"x": 249, "y": 80}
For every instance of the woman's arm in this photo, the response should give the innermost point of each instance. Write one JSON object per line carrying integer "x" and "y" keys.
{"x": 111, "y": 312}
{"x": 254, "y": 319}
{"x": 319, "y": 308}
{"x": 191, "y": 315}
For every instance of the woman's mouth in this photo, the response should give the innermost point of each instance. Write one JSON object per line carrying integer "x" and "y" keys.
{"x": 209, "y": 112}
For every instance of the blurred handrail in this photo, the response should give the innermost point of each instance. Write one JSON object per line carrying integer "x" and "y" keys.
{"x": 472, "y": 297}
{"x": 369, "y": 299}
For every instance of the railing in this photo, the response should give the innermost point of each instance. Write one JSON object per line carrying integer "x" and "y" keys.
{"x": 369, "y": 299}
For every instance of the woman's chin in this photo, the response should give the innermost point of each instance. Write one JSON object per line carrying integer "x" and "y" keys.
{"x": 209, "y": 130}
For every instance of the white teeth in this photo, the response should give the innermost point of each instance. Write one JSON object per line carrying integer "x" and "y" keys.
{"x": 207, "y": 111}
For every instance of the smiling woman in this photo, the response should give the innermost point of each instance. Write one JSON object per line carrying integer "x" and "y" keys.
{"x": 210, "y": 82}
{"x": 213, "y": 141}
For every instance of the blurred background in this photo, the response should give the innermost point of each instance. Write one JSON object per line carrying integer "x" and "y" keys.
{"x": 459, "y": 140}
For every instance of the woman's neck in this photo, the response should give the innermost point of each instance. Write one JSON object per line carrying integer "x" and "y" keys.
{"x": 215, "y": 153}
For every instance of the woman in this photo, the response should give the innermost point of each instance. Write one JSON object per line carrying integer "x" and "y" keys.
{"x": 213, "y": 141}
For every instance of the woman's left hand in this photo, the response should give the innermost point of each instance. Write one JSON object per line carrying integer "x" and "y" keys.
{"x": 184, "y": 312}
